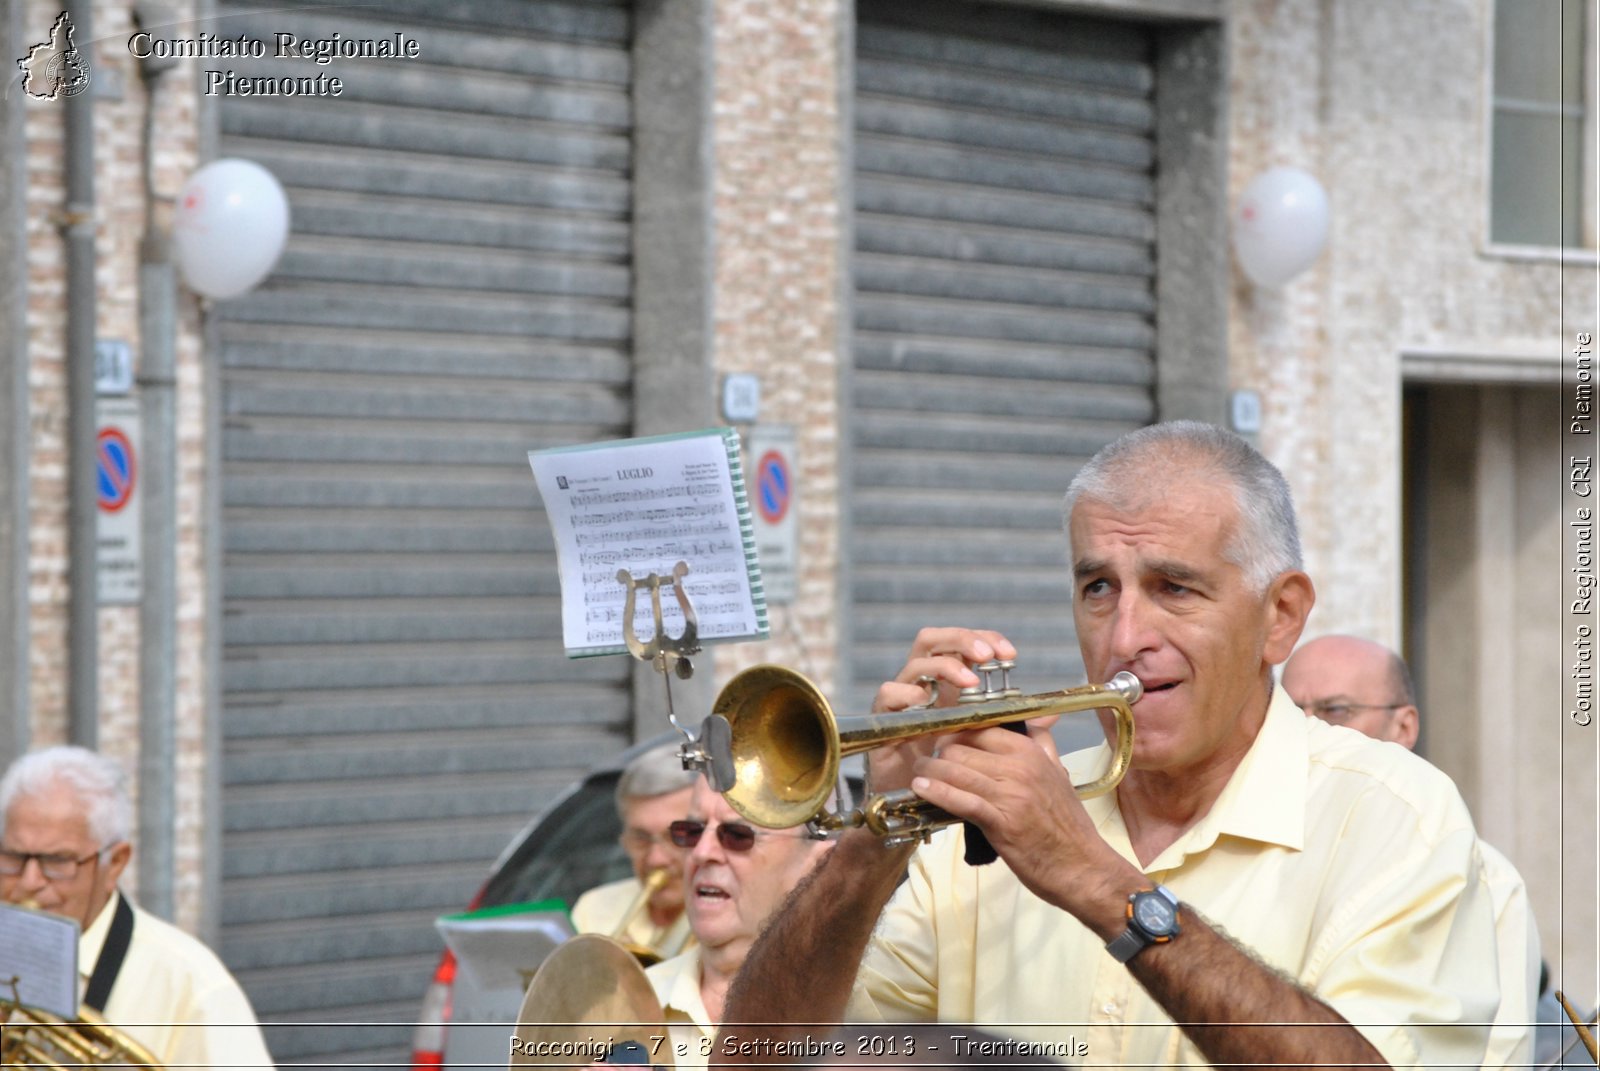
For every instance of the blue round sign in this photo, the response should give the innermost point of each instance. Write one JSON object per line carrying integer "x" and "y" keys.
{"x": 114, "y": 469}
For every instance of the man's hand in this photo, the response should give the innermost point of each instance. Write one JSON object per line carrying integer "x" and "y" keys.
{"x": 1011, "y": 786}
{"x": 938, "y": 667}
{"x": 1017, "y": 791}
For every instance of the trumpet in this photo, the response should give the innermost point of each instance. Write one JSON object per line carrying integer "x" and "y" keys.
{"x": 783, "y": 743}
{"x": 645, "y": 954}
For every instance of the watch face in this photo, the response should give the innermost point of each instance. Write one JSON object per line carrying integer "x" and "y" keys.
{"x": 1154, "y": 914}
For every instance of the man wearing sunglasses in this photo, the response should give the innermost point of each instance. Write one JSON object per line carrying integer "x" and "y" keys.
{"x": 64, "y": 824}
{"x": 1258, "y": 890}
{"x": 735, "y": 877}
{"x": 652, "y": 791}
{"x": 1362, "y": 685}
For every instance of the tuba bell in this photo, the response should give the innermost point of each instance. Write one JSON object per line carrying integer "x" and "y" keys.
{"x": 783, "y": 744}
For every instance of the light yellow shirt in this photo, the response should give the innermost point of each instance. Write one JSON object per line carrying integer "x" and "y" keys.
{"x": 1517, "y": 938}
{"x": 601, "y": 909}
{"x": 174, "y": 996}
{"x": 677, "y": 985}
{"x": 1349, "y": 865}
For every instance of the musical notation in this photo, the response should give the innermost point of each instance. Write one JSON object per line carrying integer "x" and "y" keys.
{"x": 643, "y": 505}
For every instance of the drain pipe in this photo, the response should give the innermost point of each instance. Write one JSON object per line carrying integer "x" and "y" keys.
{"x": 78, "y": 225}
{"x": 158, "y": 599}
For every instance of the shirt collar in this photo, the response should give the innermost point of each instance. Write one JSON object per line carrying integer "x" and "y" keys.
{"x": 1264, "y": 800}
{"x": 679, "y": 990}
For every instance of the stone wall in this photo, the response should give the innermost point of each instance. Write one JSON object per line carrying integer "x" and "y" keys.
{"x": 780, "y": 257}
{"x": 1388, "y": 104}
{"x": 121, "y": 103}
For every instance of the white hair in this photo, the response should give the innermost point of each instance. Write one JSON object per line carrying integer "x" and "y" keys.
{"x": 657, "y": 772}
{"x": 98, "y": 783}
{"x": 1266, "y": 542}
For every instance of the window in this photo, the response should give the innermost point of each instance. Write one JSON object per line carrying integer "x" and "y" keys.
{"x": 1540, "y": 114}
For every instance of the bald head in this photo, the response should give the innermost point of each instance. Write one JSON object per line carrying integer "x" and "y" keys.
{"x": 1346, "y": 680}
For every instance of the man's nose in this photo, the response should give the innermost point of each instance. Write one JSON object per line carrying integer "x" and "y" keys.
{"x": 1133, "y": 631}
{"x": 662, "y": 853}
{"x": 708, "y": 846}
{"x": 32, "y": 876}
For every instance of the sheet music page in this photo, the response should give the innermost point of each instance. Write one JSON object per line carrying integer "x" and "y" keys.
{"x": 41, "y": 951}
{"x": 496, "y": 949}
{"x": 644, "y": 505}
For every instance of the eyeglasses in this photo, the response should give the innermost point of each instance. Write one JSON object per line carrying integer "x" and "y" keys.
{"x": 54, "y": 867}
{"x": 1338, "y": 712}
{"x": 733, "y": 836}
{"x": 643, "y": 840}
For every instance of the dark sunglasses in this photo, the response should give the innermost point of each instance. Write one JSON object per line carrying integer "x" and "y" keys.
{"x": 733, "y": 836}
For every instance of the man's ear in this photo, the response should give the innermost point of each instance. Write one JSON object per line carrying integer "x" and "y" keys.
{"x": 1405, "y": 725}
{"x": 1288, "y": 604}
{"x": 117, "y": 861}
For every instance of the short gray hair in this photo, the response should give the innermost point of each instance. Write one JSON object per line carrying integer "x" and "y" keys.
{"x": 98, "y": 783}
{"x": 1267, "y": 542}
{"x": 654, "y": 773}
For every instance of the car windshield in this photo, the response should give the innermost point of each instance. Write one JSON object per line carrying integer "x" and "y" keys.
{"x": 573, "y": 849}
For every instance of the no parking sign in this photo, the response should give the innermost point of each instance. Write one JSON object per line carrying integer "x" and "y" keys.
{"x": 769, "y": 457}
{"x": 117, "y": 480}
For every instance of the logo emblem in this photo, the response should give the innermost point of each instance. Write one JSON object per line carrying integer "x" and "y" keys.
{"x": 55, "y": 68}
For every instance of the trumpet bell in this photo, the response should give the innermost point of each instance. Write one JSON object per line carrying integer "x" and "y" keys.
{"x": 781, "y": 741}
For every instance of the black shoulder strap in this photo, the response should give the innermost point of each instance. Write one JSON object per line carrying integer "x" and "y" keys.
{"x": 112, "y": 953}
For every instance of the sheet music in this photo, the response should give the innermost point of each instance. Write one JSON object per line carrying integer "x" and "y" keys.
{"x": 496, "y": 948}
{"x": 644, "y": 505}
{"x": 41, "y": 951}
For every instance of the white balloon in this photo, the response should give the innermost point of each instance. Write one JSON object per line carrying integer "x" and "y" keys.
{"x": 1280, "y": 226}
{"x": 229, "y": 228}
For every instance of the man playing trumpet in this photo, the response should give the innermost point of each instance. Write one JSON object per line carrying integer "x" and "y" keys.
{"x": 652, "y": 793}
{"x": 1290, "y": 894}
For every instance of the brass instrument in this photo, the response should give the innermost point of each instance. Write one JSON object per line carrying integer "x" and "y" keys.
{"x": 588, "y": 999}
{"x": 646, "y": 955}
{"x": 783, "y": 745}
{"x": 36, "y": 1039}
{"x": 1584, "y": 1035}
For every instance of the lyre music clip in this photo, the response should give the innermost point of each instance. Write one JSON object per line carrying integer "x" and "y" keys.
{"x": 662, "y": 650}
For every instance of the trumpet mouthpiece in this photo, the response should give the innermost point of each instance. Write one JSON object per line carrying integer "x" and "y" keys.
{"x": 1129, "y": 685}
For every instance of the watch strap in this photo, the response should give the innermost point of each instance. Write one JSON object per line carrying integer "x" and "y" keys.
{"x": 1127, "y": 944}
{"x": 1133, "y": 940}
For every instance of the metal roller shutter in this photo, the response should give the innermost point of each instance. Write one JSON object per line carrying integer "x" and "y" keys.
{"x": 456, "y": 291}
{"x": 1004, "y": 313}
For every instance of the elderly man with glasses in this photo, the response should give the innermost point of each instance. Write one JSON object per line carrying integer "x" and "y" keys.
{"x": 64, "y": 826}
{"x": 735, "y": 877}
{"x": 1345, "y": 680}
{"x": 1362, "y": 685}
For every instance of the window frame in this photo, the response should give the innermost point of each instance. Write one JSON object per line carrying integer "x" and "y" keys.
{"x": 1588, "y": 253}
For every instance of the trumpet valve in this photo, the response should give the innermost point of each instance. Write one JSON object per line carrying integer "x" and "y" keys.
{"x": 986, "y": 690}
{"x": 900, "y": 817}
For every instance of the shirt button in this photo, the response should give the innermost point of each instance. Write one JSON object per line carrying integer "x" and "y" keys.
{"x": 1109, "y": 1007}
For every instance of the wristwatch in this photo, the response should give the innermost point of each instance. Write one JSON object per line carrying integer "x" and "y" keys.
{"x": 1152, "y": 920}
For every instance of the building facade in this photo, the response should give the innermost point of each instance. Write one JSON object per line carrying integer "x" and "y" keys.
{"x": 961, "y": 245}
